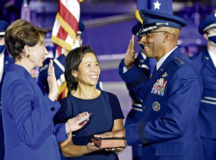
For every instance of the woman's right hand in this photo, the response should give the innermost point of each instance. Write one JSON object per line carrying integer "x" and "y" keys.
{"x": 76, "y": 123}
{"x": 53, "y": 86}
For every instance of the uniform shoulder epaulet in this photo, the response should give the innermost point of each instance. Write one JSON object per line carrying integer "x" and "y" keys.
{"x": 178, "y": 61}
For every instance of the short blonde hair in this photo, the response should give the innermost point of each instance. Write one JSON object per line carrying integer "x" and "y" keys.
{"x": 21, "y": 33}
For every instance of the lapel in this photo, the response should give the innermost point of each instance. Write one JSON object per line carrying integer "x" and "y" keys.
{"x": 157, "y": 74}
{"x": 165, "y": 64}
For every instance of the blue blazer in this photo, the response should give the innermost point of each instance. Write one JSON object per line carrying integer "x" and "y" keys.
{"x": 7, "y": 61}
{"x": 28, "y": 118}
{"x": 169, "y": 128}
{"x": 207, "y": 112}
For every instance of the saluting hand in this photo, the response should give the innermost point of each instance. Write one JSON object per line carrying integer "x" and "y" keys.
{"x": 130, "y": 54}
{"x": 53, "y": 86}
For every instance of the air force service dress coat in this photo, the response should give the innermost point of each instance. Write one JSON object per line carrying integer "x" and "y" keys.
{"x": 28, "y": 118}
{"x": 135, "y": 114}
{"x": 169, "y": 129}
{"x": 7, "y": 61}
{"x": 207, "y": 112}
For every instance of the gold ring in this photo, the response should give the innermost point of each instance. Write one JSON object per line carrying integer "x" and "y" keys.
{"x": 49, "y": 73}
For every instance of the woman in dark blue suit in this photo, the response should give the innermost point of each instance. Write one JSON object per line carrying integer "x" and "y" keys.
{"x": 28, "y": 114}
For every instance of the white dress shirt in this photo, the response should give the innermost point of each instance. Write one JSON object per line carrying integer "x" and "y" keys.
{"x": 160, "y": 62}
{"x": 213, "y": 57}
{"x": 1, "y": 65}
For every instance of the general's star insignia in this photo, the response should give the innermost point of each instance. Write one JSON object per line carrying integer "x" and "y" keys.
{"x": 157, "y": 5}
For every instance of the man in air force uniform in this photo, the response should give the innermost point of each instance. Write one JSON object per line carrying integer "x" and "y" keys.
{"x": 169, "y": 127}
{"x": 5, "y": 60}
{"x": 146, "y": 65}
{"x": 205, "y": 62}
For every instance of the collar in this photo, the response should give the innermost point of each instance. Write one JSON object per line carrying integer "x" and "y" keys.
{"x": 160, "y": 62}
{"x": 143, "y": 55}
{"x": 17, "y": 68}
{"x": 213, "y": 57}
{"x": 1, "y": 65}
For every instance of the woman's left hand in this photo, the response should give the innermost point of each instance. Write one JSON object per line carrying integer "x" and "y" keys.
{"x": 77, "y": 122}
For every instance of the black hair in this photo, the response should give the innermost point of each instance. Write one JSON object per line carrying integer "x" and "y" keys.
{"x": 72, "y": 63}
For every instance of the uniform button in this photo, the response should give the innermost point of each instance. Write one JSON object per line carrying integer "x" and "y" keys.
{"x": 161, "y": 69}
{"x": 53, "y": 108}
{"x": 206, "y": 57}
{"x": 144, "y": 107}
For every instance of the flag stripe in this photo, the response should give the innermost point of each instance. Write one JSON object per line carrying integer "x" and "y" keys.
{"x": 56, "y": 27}
{"x": 68, "y": 16}
{"x": 61, "y": 43}
{"x": 73, "y": 6}
{"x": 69, "y": 39}
{"x": 66, "y": 23}
{"x": 62, "y": 33}
{"x": 66, "y": 27}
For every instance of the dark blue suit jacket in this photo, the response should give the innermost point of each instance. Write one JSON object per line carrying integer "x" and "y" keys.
{"x": 207, "y": 112}
{"x": 169, "y": 128}
{"x": 28, "y": 118}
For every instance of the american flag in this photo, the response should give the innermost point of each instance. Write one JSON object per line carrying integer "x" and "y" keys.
{"x": 66, "y": 24}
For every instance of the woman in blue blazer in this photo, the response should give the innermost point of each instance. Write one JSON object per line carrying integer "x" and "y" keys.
{"x": 27, "y": 113}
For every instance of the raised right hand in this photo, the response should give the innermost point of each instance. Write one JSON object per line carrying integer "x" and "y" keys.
{"x": 130, "y": 54}
{"x": 53, "y": 86}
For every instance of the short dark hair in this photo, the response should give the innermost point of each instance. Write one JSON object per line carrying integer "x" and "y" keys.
{"x": 21, "y": 33}
{"x": 72, "y": 62}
